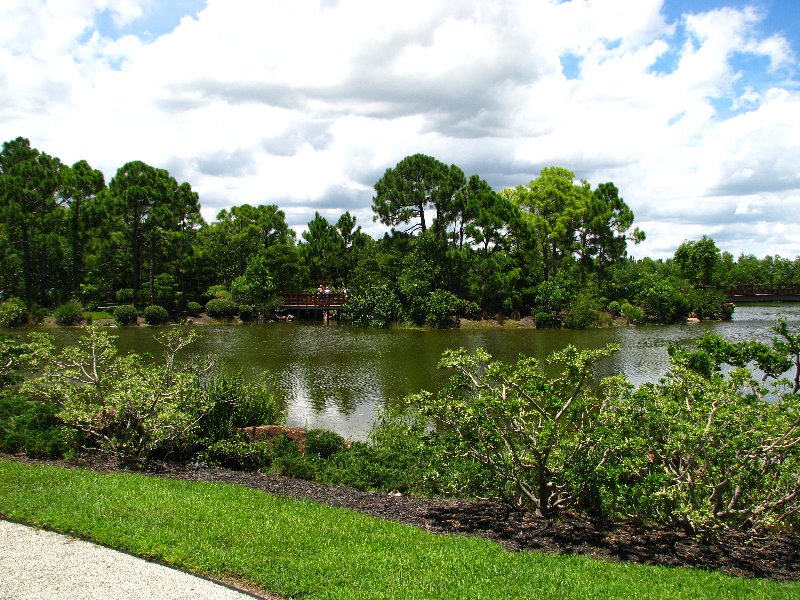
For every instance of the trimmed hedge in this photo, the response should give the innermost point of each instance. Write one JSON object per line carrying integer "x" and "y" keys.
{"x": 126, "y": 314}
{"x": 222, "y": 309}
{"x": 155, "y": 315}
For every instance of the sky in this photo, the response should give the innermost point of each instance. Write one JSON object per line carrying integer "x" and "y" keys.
{"x": 692, "y": 108}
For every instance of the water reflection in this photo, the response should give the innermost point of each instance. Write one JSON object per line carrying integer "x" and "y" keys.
{"x": 338, "y": 377}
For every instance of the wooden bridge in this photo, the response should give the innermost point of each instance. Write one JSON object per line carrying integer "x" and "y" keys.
{"x": 762, "y": 293}
{"x": 312, "y": 301}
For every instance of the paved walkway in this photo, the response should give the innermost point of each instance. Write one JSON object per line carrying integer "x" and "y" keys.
{"x": 39, "y": 565}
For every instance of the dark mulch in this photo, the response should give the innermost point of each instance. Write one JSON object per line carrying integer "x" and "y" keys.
{"x": 773, "y": 556}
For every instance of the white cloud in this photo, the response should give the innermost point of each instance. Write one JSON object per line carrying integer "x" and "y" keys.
{"x": 306, "y": 103}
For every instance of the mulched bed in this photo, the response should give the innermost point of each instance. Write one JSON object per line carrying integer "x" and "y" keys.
{"x": 774, "y": 556}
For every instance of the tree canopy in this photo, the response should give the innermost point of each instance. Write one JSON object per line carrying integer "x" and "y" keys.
{"x": 555, "y": 248}
{"x": 416, "y": 184}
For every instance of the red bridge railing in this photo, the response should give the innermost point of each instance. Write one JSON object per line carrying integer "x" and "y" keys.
{"x": 312, "y": 300}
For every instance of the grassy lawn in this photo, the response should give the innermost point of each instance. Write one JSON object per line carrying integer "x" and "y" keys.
{"x": 303, "y": 549}
{"x": 97, "y": 314}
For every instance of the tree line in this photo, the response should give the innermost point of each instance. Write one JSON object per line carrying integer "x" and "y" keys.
{"x": 554, "y": 248}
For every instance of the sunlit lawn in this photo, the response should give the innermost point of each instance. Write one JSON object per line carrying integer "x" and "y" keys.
{"x": 304, "y": 549}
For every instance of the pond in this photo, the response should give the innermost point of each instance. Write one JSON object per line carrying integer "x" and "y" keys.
{"x": 337, "y": 377}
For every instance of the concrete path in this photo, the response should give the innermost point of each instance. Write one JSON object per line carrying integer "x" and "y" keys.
{"x": 38, "y": 565}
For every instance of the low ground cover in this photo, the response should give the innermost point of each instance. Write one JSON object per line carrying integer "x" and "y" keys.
{"x": 299, "y": 548}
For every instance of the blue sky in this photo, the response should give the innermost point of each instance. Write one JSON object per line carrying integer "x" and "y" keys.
{"x": 157, "y": 19}
{"x": 691, "y": 107}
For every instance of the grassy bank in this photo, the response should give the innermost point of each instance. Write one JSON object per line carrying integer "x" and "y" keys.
{"x": 303, "y": 549}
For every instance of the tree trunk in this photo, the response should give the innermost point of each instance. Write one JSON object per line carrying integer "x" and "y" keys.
{"x": 77, "y": 251}
{"x": 43, "y": 273}
{"x": 136, "y": 245}
{"x": 583, "y": 258}
{"x": 153, "y": 242}
{"x": 26, "y": 262}
{"x": 544, "y": 491}
{"x": 546, "y": 260}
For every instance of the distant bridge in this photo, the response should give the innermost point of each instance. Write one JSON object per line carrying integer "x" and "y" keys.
{"x": 312, "y": 301}
{"x": 761, "y": 293}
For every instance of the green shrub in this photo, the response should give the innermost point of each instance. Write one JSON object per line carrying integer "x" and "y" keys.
{"x": 373, "y": 306}
{"x": 711, "y": 305}
{"x": 13, "y": 313}
{"x": 632, "y": 313}
{"x": 238, "y": 454}
{"x": 614, "y": 307}
{"x": 70, "y": 313}
{"x": 520, "y": 423}
{"x": 193, "y": 308}
{"x": 32, "y": 428}
{"x": 125, "y": 314}
{"x": 555, "y": 294}
{"x": 365, "y": 467}
{"x": 235, "y": 402}
{"x": 545, "y": 320}
{"x": 299, "y": 467}
{"x": 37, "y": 314}
{"x": 288, "y": 461}
{"x": 282, "y": 446}
{"x": 132, "y": 407}
{"x": 221, "y": 309}
{"x": 125, "y": 296}
{"x": 661, "y": 299}
{"x": 707, "y": 449}
{"x": 323, "y": 443}
{"x": 451, "y": 471}
{"x": 155, "y": 315}
{"x": 247, "y": 312}
{"x": 582, "y": 313}
{"x": 404, "y": 455}
{"x": 440, "y": 307}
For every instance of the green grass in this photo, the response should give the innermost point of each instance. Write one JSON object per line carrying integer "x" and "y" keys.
{"x": 303, "y": 549}
{"x": 97, "y": 314}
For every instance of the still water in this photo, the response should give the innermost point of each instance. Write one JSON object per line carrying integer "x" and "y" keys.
{"x": 337, "y": 376}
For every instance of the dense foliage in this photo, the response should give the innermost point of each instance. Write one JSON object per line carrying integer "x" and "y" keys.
{"x": 554, "y": 248}
{"x": 90, "y": 396}
{"x": 710, "y": 445}
{"x": 32, "y": 428}
{"x": 13, "y": 313}
{"x": 530, "y": 430}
